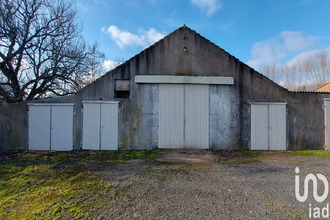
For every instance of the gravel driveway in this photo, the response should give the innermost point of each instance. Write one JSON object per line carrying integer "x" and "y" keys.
{"x": 218, "y": 189}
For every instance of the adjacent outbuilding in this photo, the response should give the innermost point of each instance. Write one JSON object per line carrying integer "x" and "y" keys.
{"x": 181, "y": 92}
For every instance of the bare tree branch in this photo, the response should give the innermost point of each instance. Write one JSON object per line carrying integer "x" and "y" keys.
{"x": 305, "y": 74}
{"x": 42, "y": 52}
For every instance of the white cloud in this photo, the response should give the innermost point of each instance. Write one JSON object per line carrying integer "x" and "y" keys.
{"x": 124, "y": 38}
{"x": 278, "y": 48}
{"x": 305, "y": 55}
{"x": 307, "y": 83}
{"x": 209, "y": 6}
{"x": 153, "y": 35}
{"x": 109, "y": 65}
{"x": 296, "y": 41}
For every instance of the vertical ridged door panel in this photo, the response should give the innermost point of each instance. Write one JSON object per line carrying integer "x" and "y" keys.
{"x": 259, "y": 127}
{"x": 197, "y": 116}
{"x": 39, "y": 127}
{"x": 61, "y": 128}
{"x": 91, "y": 126}
{"x": 171, "y": 112}
{"x": 109, "y": 126}
{"x": 277, "y": 127}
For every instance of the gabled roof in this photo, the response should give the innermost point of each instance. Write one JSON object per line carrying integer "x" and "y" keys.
{"x": 175, "y": 37}
{"x": 324, "y": 88}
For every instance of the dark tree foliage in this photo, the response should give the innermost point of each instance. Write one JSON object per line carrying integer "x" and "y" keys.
{"x": 42, "y": 52}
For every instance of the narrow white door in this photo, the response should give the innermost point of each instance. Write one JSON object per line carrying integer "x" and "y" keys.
{"x": 259, "y": 127}
{"x": 277, "y": 127}
{"x": 39, "y": 127}
{"x": 109, "y": 126}
{"x": 171, "y": 116}
{"x": 91, "y": 126}
{"x": 197, "y": 116}
{"x": 327, "y": 124}
{"x": 100, "y": 126}
{"x": 61, "y": 128}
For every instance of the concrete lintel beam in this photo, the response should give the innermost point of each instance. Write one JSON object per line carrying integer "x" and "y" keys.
{"x": 49, "y": 103}
{"x": 100, "y": 102}
{"x": 210, "y": 80}
{"x": 268, "y": 103}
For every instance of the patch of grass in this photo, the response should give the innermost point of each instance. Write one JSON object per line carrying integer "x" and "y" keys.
{"x": 142, "y": 155}
{"x": 31, "y": 187}
{"x": 316, "y": 153}
{"x": 243, "y": 157}
{"x": 56, "y": 184}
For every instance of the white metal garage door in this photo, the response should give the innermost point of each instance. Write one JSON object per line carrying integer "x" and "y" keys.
{"x": 39, "y": 127}
{"x": 268, "y": 126}
{"x": 327, "y": 123}
{"x": 183, "y": 116}
{"x": 259, "y": 127}
{"x": 100, "y": 126}
{"x": 50, "y": 126}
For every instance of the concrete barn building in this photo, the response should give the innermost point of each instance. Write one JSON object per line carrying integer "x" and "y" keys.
{"x": 181, "y": 92}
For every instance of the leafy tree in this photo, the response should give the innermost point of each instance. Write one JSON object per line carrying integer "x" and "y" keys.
{"x": 42, "y": 52}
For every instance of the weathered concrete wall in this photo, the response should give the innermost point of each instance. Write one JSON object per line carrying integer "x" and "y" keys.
{"x": 184, "y": 52}
{"x": 138, "y": 126}
{"x": 224, "y": 120}
{"x": 306, "y": 121}
{"x": 13, "y": 126}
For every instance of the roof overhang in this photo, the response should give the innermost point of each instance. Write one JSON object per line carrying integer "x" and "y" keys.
{"x": 210, "y": 80}
{"x": 100, "y": 102}
{"x": 268, "y": 103}
{"x": 49, "y": 103}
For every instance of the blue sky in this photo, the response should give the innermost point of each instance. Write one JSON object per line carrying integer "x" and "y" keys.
{"x": 258, "y": 32}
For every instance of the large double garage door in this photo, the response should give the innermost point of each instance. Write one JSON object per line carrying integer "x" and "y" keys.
{"x": 268, "y": 126}
{"x": 183, "y": 116}
{"x": 100, "y": 125}
{"x": 50, "y": 126}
